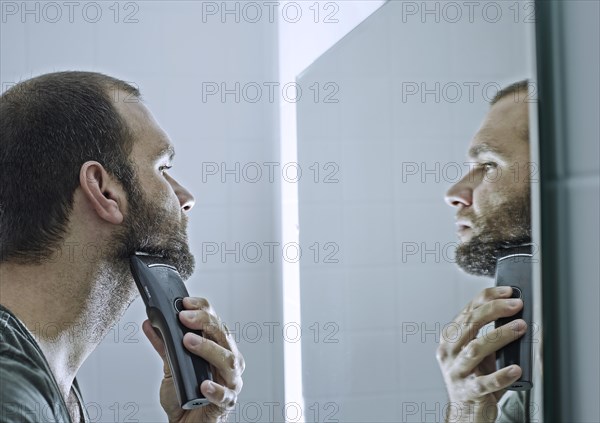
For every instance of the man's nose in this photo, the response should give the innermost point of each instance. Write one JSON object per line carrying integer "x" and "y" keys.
{"x": 459, "y": 193}
{"x": 186, "y": 199}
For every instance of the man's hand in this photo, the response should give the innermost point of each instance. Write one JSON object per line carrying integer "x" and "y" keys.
{"x": 468, "y": 363}
{"x": 218, "y": 348}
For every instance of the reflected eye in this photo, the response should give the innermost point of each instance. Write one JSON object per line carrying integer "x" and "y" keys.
{"x": 488, "y": 166}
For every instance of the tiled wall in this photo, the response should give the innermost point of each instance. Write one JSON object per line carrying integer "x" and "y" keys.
{"x": 394, "y": 286}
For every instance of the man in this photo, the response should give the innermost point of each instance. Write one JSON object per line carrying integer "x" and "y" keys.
{"x": 492, "y": 211}
{"x": 84, "y": 184}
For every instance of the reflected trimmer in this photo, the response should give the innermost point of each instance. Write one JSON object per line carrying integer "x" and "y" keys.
{"x": 514, "y": 268}
{"x": 162, "y": 290}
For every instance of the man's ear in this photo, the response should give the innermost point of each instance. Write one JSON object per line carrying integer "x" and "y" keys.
{"x": 100, "y": 189}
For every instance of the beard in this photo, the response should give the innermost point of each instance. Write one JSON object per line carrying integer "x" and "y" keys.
{"x": 147, "y": 228}
{"x": 505, "y": 226}
{"x": 152, "y": 230}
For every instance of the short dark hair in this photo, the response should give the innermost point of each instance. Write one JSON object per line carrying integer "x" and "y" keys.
{"x": 515, "y": 87}
{"x": 50, "y": 126}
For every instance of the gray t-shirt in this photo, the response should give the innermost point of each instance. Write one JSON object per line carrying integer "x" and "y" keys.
{"x": 28, "y": 389}
{"x": 513, "y": 409}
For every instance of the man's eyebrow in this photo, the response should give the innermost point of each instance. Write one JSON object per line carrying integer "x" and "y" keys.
{"x": 484, "y": 147}
{"x": 166, "y": 150}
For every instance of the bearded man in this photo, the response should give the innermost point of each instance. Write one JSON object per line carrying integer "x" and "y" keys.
{"x": 84, "y": 185}
{"x": 492, "y": 212}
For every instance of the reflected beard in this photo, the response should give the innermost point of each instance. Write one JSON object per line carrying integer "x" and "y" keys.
{"x": 508, "y": 225}
{"x": 149, "y": 229}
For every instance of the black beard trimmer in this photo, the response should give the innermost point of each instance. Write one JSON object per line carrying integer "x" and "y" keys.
{"x": 514, "y": 268}
{"x": 162, "y": 290}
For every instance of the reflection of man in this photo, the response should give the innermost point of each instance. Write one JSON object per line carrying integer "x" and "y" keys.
{"x": 85, "y": 185}
{"x": 492, "y": 210}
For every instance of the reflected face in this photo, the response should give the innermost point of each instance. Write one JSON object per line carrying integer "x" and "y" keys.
{"x": 492, "y": 200}
{"x": 155, "y": 221}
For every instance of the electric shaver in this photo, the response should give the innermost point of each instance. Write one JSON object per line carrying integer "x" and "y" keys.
{"x": 162, "y": 290}
{"x": 514, "y": 268}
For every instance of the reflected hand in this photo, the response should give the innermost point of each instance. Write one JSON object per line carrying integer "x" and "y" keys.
{"x": 468, "y": 363}
{"x": 218, "y": 348}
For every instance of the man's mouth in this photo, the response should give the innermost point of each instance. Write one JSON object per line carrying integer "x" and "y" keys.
{"x": 464, "y": 229}
{"x": 461, "y": 223}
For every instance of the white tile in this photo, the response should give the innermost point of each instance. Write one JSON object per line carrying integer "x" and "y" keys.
{"x": 322, "y": 296}
{"x": 368, "y": 169}
{"x": 368, "y": 238}
{"x": 370, "y": 295}
{"x": 322, "y": 236}
{"x": 351, "y": 365}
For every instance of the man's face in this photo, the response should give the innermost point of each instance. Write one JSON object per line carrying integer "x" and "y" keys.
{"x": 492, "y": 200}
{"x": 155, "y": 221}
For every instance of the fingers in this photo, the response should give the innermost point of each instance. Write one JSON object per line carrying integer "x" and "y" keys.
{"x": 460, "y": 351}
{"x": 478, "y": 349}
{"x": 491, "y": 304}
{"x": 216, "y": 346}
{"x": 154, "y": 338}
{"x": 158, "y": 344}
{"x": 490, "y": 294}
{"x": 199, "y": 315}
{"x": 480, "y": 386}
{"x": 229, "y": 364}
{"x": 468, "y": 361}
{"x": 219, "y": 395}
{"x": 468, "y": 324}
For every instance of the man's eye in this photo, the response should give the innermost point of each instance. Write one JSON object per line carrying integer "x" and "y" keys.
{"x": 489, "y": 166}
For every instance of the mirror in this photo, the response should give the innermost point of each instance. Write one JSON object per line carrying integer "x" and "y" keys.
{"x": 413, "y": 85}
{"x": 348, "y": 332}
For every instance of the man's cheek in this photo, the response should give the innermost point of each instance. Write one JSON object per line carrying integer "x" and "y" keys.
{"x": 496, "y": 195}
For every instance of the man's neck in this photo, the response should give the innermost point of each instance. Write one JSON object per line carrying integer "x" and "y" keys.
{"x": 68, "y": 307}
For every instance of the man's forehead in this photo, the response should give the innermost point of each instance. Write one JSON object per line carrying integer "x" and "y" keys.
{"x": 503, "y": 129}
{"x": 148, "y": 135}
{"x": 136, "y": 114}
{"x": 482, "y": 144}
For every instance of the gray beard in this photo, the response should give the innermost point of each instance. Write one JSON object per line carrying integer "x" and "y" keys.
{"x": 508, "y": 225}
{"x": 153, "y": 232}
{"x": 145, "y": 229}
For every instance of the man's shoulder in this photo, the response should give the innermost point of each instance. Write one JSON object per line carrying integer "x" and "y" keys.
{"x": 513, "y": 408}
{"x": 28, "y": 392}
{"x": 16, "y": 344}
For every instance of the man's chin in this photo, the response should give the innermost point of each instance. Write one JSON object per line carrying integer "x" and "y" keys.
{"x": 479, "y": 258}
{"x": 181, "y": 258}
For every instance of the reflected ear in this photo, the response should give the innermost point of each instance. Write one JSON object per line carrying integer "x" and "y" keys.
{"x": 101, "y": 191}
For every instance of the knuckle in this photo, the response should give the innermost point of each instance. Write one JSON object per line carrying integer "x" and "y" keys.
{"x": 471, "y": 350}
{"x": 477, "y": 390}
{"x": 231, "y": 362}
{"x": 488, "y": 294}
{"x": 202, "y": 303}
{"x": 211, "y": 329}
{"x": 496, "y": 383}
{"x": 205, "y": 318}
{"x": 441, "y": 353}
{"x": 241, "y": 364}
{"x": 222, "y": 396}
{"x": 237, "y": 385}
{"x": 496, "y": 308}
